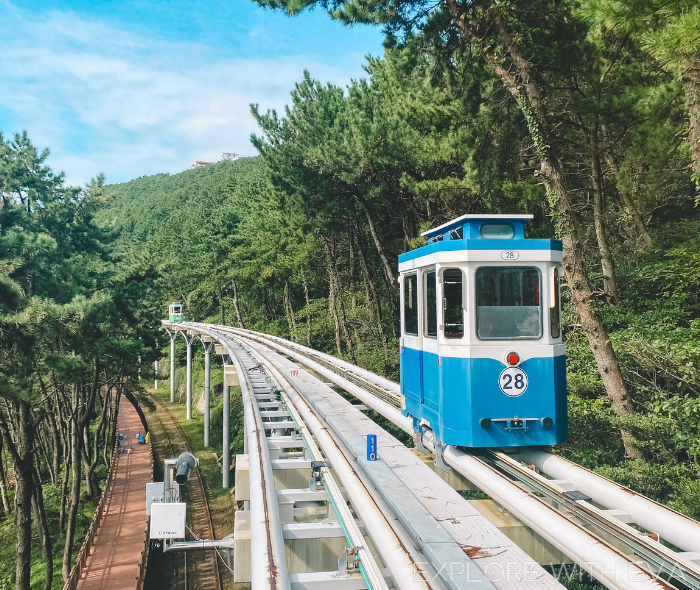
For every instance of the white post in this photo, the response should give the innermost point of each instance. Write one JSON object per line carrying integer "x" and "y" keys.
{"x": 189, "y": 376}
{"x": 156, "y": 370}
{"x": 207, "y": 390}
{"x": 173, "y": 335}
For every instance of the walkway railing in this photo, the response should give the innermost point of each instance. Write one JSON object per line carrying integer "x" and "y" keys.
{"x": 146, "y": 544}
{"x": 84, "y": 552}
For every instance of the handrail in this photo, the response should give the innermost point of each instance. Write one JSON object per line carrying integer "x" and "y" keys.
{"x": 84, "y": 552}
{"x": 143, "y": 564}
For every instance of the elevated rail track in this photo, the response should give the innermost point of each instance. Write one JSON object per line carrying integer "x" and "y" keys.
{"x": 607, "y": 530}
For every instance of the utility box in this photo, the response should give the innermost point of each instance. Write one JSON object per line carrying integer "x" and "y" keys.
{"x": 242, "y": 479}
{"x": 241, "y": 546}
{"x": 168, "y": 520}
{"x": 230, "y": 376}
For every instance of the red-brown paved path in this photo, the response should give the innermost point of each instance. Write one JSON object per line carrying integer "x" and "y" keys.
{"x": 116, "y": 554}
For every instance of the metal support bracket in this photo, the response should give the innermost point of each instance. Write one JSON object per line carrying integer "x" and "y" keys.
{"x": 439, "y": 457}
{"x": 418, "y": 442}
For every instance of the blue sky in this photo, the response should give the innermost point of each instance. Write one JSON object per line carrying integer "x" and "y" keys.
{"x": 136, "y": 87}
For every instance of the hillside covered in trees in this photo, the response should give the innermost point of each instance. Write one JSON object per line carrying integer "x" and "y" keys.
{"x": 585, "y": 114}
{"x": 576, "y": 113}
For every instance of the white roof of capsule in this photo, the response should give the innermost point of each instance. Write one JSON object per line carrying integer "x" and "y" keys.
{"x": 470, "y": 216}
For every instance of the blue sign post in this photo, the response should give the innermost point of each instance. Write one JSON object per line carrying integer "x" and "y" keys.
{"x": 371, "y": 447}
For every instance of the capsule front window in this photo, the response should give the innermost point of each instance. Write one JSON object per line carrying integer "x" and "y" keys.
{"x": 508, "y": 303}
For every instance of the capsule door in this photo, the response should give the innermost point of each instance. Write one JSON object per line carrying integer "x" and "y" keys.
{"x": 431, "y": 349}
{"x": 411, "y": 348}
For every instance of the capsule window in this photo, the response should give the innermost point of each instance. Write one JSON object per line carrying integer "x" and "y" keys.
{"x": 452, "y": 303}
{"x": 410, "y": 305}
{"x": 495, "y": 231}
{"x": 554, "y": 311}
{"x": 430, "y": 304}
{"x": 508, "y": 303}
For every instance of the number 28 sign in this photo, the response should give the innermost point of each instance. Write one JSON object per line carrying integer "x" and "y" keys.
{"x": 513, "y": 381}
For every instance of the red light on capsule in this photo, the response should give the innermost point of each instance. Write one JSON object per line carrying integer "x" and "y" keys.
{"x": 513, "y": 358}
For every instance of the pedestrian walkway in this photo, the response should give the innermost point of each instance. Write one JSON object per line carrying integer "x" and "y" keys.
{"x": 115, "y": 557}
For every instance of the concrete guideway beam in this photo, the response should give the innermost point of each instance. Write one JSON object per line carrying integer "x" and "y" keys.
{"x": 605, "y": 563}
{"x": 406, "y": 565}
{"x": 269, "y": 565}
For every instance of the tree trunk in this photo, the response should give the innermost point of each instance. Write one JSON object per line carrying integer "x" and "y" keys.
{"x": 289, "y": 311}
{"x": 333, "y": 311}
{"x": 606, "y": 260}
{"x": 626, "y": 202}
{"x": 380, "y": 250}
{"x": 344, "y": 323}
{"x": 373, "y": 302}
{"x": 265, "y": 306}
{"x": 55, "y": 444}
{"x": 43, "y": 447}
{"x": 353, "y": 282}
{"x": 3, "y": 481}
{"x": 691, "y": 84}
{"x": 76, "y": 465}
{"x": 43, "y": 529}
{"x": 552, "y": 171}
{"x": 21, "y": 452}
{"x": 239, "y": 318}
{"x": 308, "y": 302}
{"x": 64, "y": 490}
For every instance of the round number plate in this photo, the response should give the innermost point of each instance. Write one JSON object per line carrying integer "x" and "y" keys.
{"x": 510, "y": 255}
{"x": 513, "y": 381}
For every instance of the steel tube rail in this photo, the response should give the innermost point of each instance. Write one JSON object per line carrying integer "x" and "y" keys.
{"x": 268, "y": 559}
{"x": 369, "y": 567}
{"x": 372, "y": 401}
{"x": 394, "y": 548}
{"x": 364, "y": 373}
{"x": 672, "y": 526}
{"x": 611, "y": 567}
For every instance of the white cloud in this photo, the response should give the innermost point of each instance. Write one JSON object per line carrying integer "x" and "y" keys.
{"x": 106, "y": 100}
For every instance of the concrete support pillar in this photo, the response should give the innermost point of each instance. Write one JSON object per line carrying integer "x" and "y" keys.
{"x": 190, "y": 339}
{"x": 207, "y": 390}
{"x": 189, "y": 379}
{"x": 173, "y": 335}
{"x": 226, "y": 459}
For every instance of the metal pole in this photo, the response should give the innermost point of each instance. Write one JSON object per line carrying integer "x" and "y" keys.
{"x": 207, "y": 385}
{"x": 173, "y": 335}
{"x": 189, "y": 377}
{"x": 227, "y": 440}
{"x": 156, "y": 371}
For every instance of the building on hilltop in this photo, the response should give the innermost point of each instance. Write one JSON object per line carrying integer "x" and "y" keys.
{"x": 229, "y": 156}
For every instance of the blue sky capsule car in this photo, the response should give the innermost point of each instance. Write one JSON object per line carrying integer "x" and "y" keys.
{"x": 482, "y": 358}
